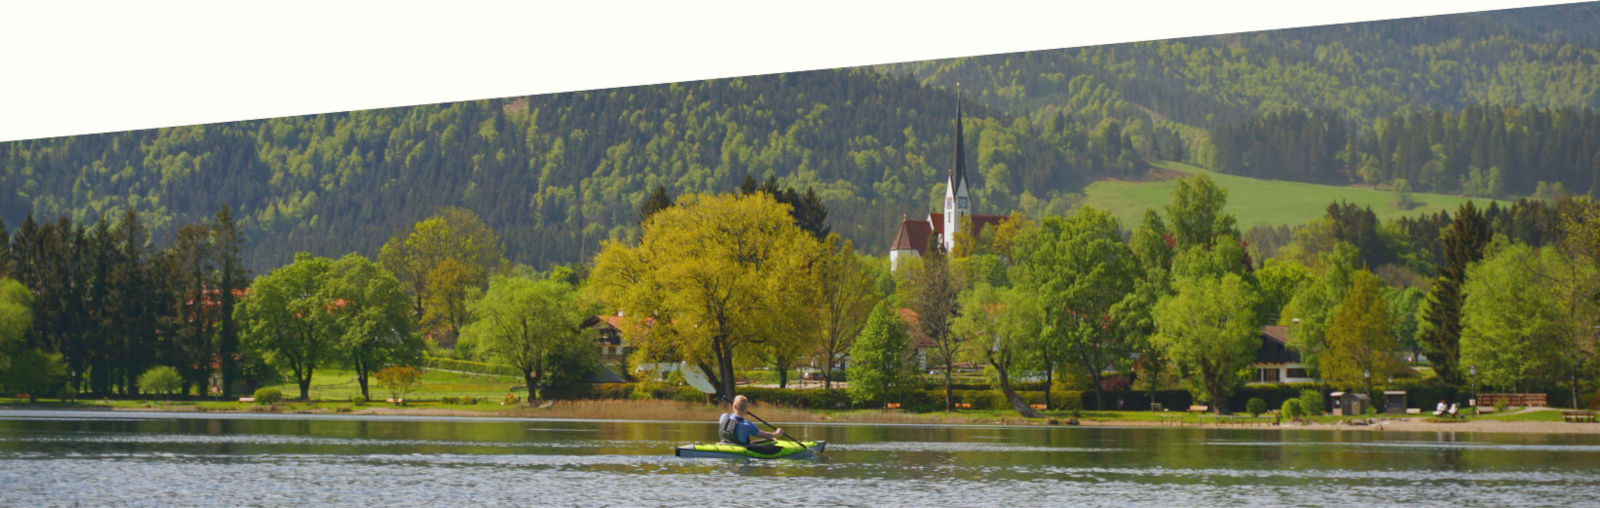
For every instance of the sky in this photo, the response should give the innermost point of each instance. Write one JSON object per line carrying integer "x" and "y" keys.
{"x": 86, "y": 67}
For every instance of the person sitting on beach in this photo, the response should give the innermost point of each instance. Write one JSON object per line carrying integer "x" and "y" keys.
{"x": 1439, "y": 411}
{"x": 732, "y": 427}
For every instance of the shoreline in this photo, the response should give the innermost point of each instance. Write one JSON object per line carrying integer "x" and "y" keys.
{"x": 690, "y": 412}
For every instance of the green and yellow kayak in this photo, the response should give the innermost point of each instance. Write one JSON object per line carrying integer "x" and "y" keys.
{"x": 780, "y": 450}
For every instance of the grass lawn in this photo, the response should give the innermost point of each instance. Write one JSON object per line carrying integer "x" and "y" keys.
{"x": 1530, "y": 416}
{"x": 1255, "y": 201}
{"x": 341, "y": 386}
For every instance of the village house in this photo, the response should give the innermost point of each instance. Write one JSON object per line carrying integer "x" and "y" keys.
{"x": 1275, "y": 362}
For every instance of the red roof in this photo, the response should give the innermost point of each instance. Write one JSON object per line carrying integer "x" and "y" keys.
{"x": 913, "y": 235}
{"x": 1277, "y": 333}
{"x": 918, "y": 339}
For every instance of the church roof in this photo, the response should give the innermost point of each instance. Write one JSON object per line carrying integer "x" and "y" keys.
{"x": 958, "y": 169}
{"x": 913, "y": 235}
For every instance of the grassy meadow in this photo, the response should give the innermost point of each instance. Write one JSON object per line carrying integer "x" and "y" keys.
{"x": 1254, "y": 201}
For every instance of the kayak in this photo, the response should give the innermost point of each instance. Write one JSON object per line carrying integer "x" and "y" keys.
{"x": 779, "y": 450}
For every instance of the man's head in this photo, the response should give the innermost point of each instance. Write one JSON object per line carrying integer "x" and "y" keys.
{"x": 740, "y": 402}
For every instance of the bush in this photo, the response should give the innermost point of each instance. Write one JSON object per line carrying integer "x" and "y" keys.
{"x": 1291, "y": 409}
{"x": 269, "y": 395}
{"x": 1501, "y": 405}
{"x": 160, "y": 379}
{"x": 1255, "y": 406}
{"x": 1311, "y": 402}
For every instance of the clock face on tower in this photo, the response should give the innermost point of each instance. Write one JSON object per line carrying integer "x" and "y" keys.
{"x": 963, "y": 202}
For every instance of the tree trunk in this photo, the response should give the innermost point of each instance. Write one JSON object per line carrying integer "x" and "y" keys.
{"x": 949, "y": 396}
{"x": 1099, "y": 391}
{"x": 305, "y": 389}
{"x": 361, "y": 379}
{"x": 827, "y": 374}
{"x": 528, "y": 380}
{"x": 1011, "y": 395}
{"x": 1049, "y": 379}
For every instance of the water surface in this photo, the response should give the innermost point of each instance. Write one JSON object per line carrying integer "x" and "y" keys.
{"x": 59, "y": 458}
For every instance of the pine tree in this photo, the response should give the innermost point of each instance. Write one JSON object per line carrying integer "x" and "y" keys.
{"x": 1439, "y": 326}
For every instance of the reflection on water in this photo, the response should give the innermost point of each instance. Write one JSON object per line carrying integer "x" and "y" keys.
{"x": 77, "y": 458}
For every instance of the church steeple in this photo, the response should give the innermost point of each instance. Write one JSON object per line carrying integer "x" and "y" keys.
{"x": 957, "y": 203}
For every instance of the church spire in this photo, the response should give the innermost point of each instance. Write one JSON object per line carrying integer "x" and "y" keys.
{"x": 958, "y": 169}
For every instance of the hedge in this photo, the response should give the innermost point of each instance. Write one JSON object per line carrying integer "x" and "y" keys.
{"x": 1139, "y": 400}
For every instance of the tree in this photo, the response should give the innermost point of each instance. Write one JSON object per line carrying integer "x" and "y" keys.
{"x": 847, "y": 291}
{"x": 399, "y": 380}
{"x": 34, "y": 372}
{"x": 1526, "y": 315}
{"x": 1439, "y": 324}
{"x": 191, "y": 276}
{"x": 369, "y": 314}
{"x": 1209, "y": 331}
{"x": 1079, "y": 269}
{"x": 1316, "y": 303}
{"x": 711, "y": 279}
{"x": 933, "y": 294}
{"x": 286, "y": 318}
{"x": 532, "y": 326}
{"x": 16, "y": 316}
{"x": 1003, "y": 323}
{"x": 227, "y": 245}
{"x": 880, "y": 365}
{"x": 658, "y": 200}
{"x": 415, "y": 256}
{"x": 1196, "y": 212}
{"x": 161, "y": 379}
{"x": 1361, "y": 342}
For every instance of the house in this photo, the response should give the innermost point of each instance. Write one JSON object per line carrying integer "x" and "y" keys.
{"x": 922, "y": 347}
{"x": 609, "y": 338}
{"x": 915, "y": 236}
{"x": 1275, "y": 362}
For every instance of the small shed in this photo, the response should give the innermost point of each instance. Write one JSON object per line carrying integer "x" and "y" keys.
{"x": 1350, "y": 403}
{"x": 1394, "y": 402}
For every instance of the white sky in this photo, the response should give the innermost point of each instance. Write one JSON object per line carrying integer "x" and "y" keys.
{"x": 85, "y": 67}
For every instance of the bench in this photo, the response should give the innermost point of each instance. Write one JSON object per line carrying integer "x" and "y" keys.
{"x": 1199, "y": 408}
{"x": 963, "y": 405}
{"x": 1513, "y": 399}
{"x": 1578, "y": 416}
{"x": 892, "y": 405}
{"x": 1039, "y": 407}
{"x": 247, "y": 399}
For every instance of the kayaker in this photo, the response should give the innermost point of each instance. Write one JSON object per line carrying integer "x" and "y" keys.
{"x": 732, "y": 427}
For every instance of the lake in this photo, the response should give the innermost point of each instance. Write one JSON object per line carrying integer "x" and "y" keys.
{"x": 57, "y": 458}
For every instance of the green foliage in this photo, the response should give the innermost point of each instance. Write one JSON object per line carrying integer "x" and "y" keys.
{"x": 1256, "y": 406}
{"x": 880, "y": 357}
{"x": 1361, "y": 342}
{"x": 1523, "y": 315}
{"x": 1439, "y": 317}
{"x": 160, "y": 379}
{"x": 371, "y": 314}
{"x": 1290, "y": 409}
{"x": 1311, "y": 402}
{"x": 268, "y": 395}
{"x": 1209, "y": 330}
{"x": 16, "y": 316}
{"x": 398, "y": 380}
{"x": 35, "y": 373}
{"x": 288, "y": 321}
{"x": 532, "y": 325}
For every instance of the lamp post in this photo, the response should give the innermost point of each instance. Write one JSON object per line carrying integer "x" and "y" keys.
{"x": 1472, "y": 375}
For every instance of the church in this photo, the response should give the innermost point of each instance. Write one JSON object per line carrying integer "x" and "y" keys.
{"x": 938, "y": 230}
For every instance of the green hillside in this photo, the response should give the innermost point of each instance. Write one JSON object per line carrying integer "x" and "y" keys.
{"x": 1256, "y": 201}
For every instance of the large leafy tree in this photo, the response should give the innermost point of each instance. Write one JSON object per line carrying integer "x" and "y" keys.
{"x": 16, "y": 316}
{"x": 932, "y": 293}
{"x": 880, "y": 359}
{"x": 286, "y": 319}
{"x": 1361, "y": 342}
{"x": 711, "y": 279}
{"x": 370, "y": 312}
{"x": 1439, "y": 326}
{"x": 1196, "y": 213}
{"x": 1315, "y": 304}
{"x": 415, "y": 257}
{"x": 1003, "y": 324}
{"x": 1208, "y": 329}
{"x": 847, "y": 290}
{"x": 1080, "y": 270}
{"x": 1526, "y": 319}
{"x": 532, "y": 325}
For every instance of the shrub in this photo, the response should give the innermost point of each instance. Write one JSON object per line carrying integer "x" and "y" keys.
{"x": 1311, "y": 402}
{"x": 269, "y": 395}
{"x": 160, "y": 379}
{"x": 1291, "y": 408}
{"x": 1255, "y": 406}
{"x": 399, "y": 380}
{"x": 1501, "y": 405}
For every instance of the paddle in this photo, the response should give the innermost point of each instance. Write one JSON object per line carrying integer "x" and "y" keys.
{"x": 774, "y": 427}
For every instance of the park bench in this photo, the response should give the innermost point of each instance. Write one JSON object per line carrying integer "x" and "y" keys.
{"x": 892, "y": 405}
{"x": 963, "y": 405}
{"x": 1578, "y": 416}
{"x": 1513, "y": 399}
{"x": 1039, "y": 407}
{"x": 1198, "y": 408}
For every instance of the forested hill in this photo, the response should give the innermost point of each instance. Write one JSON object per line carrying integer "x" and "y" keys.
{"x": 1545, "y": 56}
{"x": 555, "y": 174}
